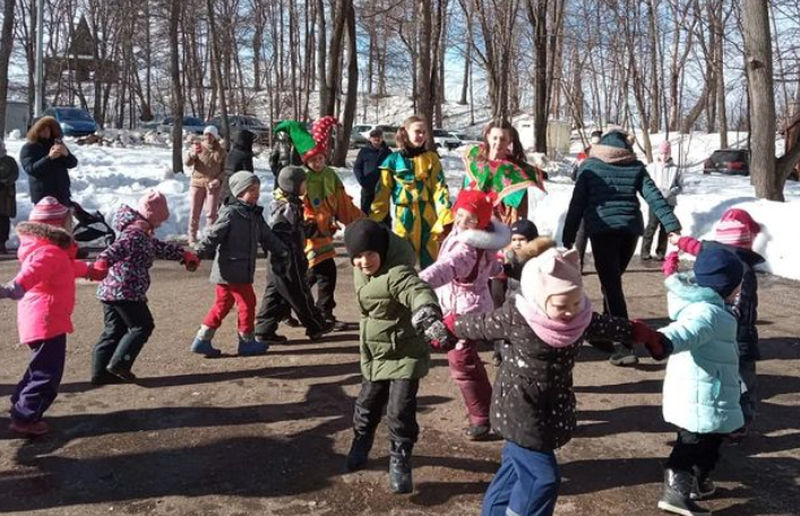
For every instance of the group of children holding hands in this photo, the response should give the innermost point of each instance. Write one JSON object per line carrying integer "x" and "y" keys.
{"x": 480, "y": 281}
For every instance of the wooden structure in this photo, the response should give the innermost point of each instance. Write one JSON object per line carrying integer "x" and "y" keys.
{"x": 80, "y": 62}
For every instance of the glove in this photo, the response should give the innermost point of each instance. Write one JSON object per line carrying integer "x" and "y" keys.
{"x": 190, "y": 261}
{"x": 449, "y": 321}
{"x": 659, "y": 346}
{"x": 428, "y": 321}
{"x": 97, "y": 271}
{"x": 670, "y": 265}
{"x": 11, "y": 290}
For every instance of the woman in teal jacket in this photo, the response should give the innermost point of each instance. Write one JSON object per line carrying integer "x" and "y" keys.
{"x": 701, "y": 386}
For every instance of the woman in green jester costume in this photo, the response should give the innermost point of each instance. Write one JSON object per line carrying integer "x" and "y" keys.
{"x": 499, "y": 165}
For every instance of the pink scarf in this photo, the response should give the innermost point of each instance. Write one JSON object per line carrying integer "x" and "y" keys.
{"x": 556, "y": 334}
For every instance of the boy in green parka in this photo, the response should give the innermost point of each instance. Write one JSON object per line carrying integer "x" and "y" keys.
{"x": 395, "y": 305}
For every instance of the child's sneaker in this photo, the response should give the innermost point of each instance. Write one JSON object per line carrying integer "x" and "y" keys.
{"x": 123, "y": 374}
{"x": 478, "y": 432}
{"x": 204, "y": 347}
{"x": 30, "y": 429}
{"x": 327, "y": 327}
{"x": 249, "y": 346}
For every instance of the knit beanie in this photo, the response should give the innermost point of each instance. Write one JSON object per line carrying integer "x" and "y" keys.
{"x": 366, "y": 235}
{"x": 212, "y": 130}
{"x": 736, "y": 228}
{"x": 719, "y": 270}
{"x": 242, "y": 180}
{"x": 290, "y": 178}
{"x": 525, "y": 228}
{"x": 49, "y": 210}
{"x": 555, "y": 271}
{"x": 665, "y": 148}
{"x": 153, "y": 208}
{"x": 478, "y": 204}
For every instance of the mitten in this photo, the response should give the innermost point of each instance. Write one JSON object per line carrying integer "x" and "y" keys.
{"x": 11, "y": 290}
{"x": 190, "y": 261}
{"x": 670, "y": 265}
{"x": 659, "y": 346}
{"x": 449, "y": 321}
{"x": 428, "y": 321}
{"x": 97, "y": 271}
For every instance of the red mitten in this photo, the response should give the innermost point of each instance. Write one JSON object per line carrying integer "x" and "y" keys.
{"x": 449, "y": 321}
{"x": 670, "y": 265}
{"x": 656, "y": 343}
{"x": 97, "y": 271}
{"x": 190, "y": 261}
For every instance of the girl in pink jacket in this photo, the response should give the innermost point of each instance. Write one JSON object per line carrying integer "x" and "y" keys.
{"x": 467, "y": 259}
{"x": 45, "y": 288}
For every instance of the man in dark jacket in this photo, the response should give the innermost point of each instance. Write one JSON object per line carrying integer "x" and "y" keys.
{"x": 367, "y": 168}
{"x": 241, "y": 155}
{"x": 46, "y": 161}
{"x": 605, "y": 198}
{"x": 283, "y": 154}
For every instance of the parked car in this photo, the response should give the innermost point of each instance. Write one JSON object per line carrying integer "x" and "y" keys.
{"x": 466, "y": 139}
{"x": 442, "y": 138}
{"x": 240, "y": 122}
{"x": 728, "y": 161}
{"x": 73, "y": 121}
{"x": 359, "y": 136}
{"x": 191, "y": 124}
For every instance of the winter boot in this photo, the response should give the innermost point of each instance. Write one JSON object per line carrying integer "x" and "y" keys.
{"x": 202, "y": 343}
{"x": 327, "y": 327}
{"x": 249, "y": 346}
{"x": 478, "y": 432}
{"x": 623, "y": 356}
{"x": 400, "y": 468}
{"x": 677, "y": 488}
{"x": 359, "y": 451}
{"x": 703, "y": 486}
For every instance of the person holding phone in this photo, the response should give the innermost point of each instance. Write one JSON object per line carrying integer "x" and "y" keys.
{"x": 47, "y": 160}
{"x": 206, "y": 158}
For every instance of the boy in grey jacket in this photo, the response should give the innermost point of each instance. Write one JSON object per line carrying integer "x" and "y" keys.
{"x": 233, "y": 243}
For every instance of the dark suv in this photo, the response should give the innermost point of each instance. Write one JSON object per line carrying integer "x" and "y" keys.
{"x": 728, "y": 161}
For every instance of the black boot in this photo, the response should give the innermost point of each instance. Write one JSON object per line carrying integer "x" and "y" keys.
{"x": 359, "y": 451}
{"x": 677, "y": 488}
{"x": 400, "y": 468}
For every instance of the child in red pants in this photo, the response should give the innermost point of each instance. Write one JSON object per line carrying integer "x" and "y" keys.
{"x": 460, "y": 275}
{"x": 233, "y": 242}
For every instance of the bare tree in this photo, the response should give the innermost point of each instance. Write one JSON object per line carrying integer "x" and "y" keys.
{"x": 177, "y": 90}
{"x": 6, "y": 45}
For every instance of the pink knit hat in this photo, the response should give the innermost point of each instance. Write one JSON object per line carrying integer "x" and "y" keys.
{"x": 49, "y": 210}
{"x": 153, "y": 207}
{"x": 553, "y": 272}
{"x": 736, "y": 228}
{"x": 665, "y": 148}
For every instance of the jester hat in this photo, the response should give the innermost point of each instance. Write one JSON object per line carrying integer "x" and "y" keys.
{"x": 309, "y": 145}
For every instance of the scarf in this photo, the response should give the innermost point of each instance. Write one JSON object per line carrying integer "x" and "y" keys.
{"x": 612, "y": 155}
{"x": 556, "y": 334}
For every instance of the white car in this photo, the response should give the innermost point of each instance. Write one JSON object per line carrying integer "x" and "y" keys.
{"x": 446, "y": 139}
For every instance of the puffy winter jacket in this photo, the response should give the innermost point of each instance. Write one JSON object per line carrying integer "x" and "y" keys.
{"x": 9, "y": 173}
{"x": 130, "y": 258}
{"x": 47, "y": 274}
{"x": 208, "y": 165}
{"x": 701, "y": 385}
{"x": 390, "y": 347}
{"x": 467, "y": 259}
{"x": 241, "y": 155}
{"x": 667, "y": 177}
{"x": 533, "y": 404}
{"x": 233, "y": 242}
{"x": 47, "y": 176}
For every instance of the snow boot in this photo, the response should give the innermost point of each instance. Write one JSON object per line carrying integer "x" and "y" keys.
{"x": 202, "y": 342}
{"x": 676, "y": 498}
{"x": 400, "y": 468}
{"x": 359, "y": 451}
{"x": 623, "y": 356}
{"x": 703, "y": 486}
{"x": 249, "y": 346}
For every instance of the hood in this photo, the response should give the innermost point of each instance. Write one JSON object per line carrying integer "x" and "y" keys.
{"x": 682, "y": 291}
{"x": 495, "y": 237}
{"x": 33, "y": 235}
{"x": 243, "y": 140}
{"x": 614, "y": 149}
{"x": 243, "y": 208}
{"x": 535, "y": 247}
{"x": 400, "y": 252}
{"x": 748, "y": 256}
{"x": 125, "y": 216}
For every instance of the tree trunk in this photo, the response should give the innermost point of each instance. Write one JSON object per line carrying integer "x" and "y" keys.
{"x": 343, "y": 135}
{"x": 177, "y": 92}
{"x": 6, "y": 44}
{"x": 537, "y": 15}
{"x": 423, "y": 71}
{"x": 467, "y": 64}
{"x": 758, "y": 51}
{"x": 217, "y": 71}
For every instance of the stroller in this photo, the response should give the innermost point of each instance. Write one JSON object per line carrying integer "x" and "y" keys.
{"x": 91, "y": 226}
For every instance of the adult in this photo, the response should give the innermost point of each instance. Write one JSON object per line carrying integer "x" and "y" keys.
{"x": 206, "y": 157}
{"x": 46, "y": 160}
{"x": 239, "y": 158}
{"x": 9, "y": 172}
{"x": 580, "y": 238}
{"x": 367, "y": 169}
{"x": 499, "y": 165}
{"x": 605, "y": 198}
{"x": 667, "y": 177}
{"x": 283, "y": 154}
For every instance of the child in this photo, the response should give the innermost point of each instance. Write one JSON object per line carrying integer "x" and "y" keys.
{"x": 413, "y": 179}
{"x": 393, "y": 355}
{"x": 45, "y": 288}
{"x": 533, "y": 403}
{"x": 667, "y": 177}
{"x": 735, "y": 232}
{"x": 701, "y": 385}
{"x": 460, "y": 275}
{"x": 9, "y": 172}
{"x": 233, "y": 242}
{"x": 289, "y": 291}
{"x": 123, "y": 293}
{"x": 326, "y": 204}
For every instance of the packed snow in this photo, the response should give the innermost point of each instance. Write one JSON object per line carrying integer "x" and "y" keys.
{"x": 108, "y": 176}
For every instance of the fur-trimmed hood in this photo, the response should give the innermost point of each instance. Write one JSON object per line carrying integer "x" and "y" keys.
{"x": 682, "y": 291}
{"x": 496, "y": 236}
{"x": 534, "y": 248}
{"x": 33, "y": 235}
